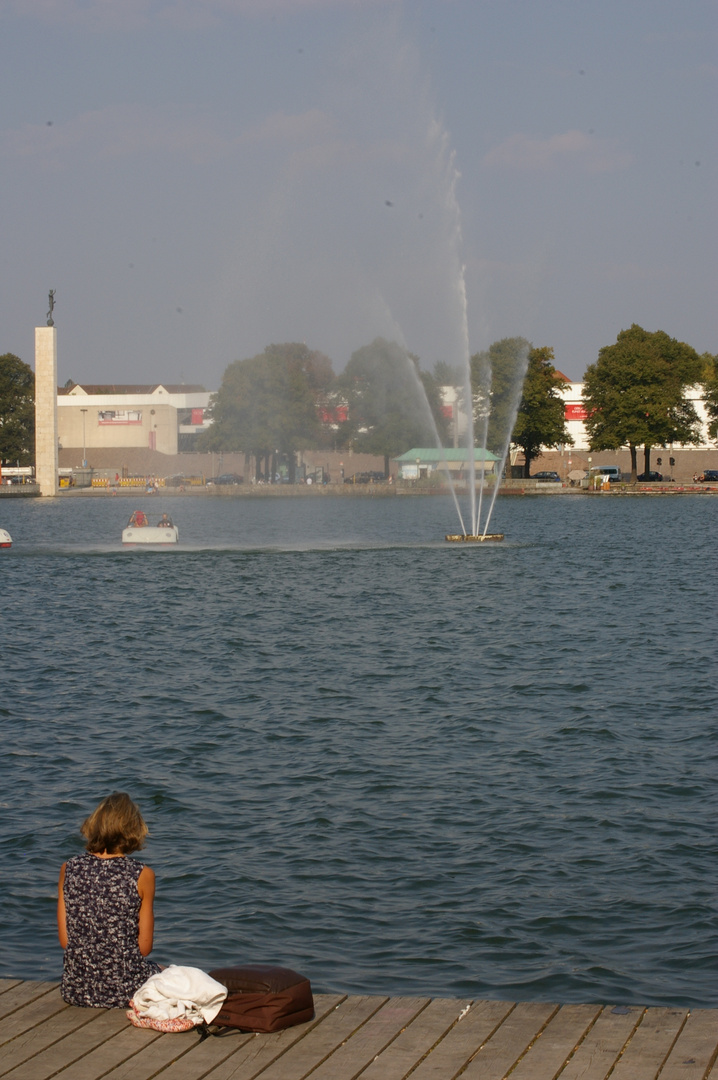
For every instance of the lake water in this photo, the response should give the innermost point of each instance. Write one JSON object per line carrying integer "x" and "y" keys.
{"x": 397, "y": 765}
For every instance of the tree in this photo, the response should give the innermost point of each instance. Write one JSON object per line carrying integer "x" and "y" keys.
{"x": 448, "y": 374}
{"x": 541, "y": 419}
{"x": 516, "y": 398}
{"x": 393, "y": 405}
{"x": 17, "y": 411}
{"x": 710, "y": 392}
{"x": 267, "y": 404}
{"x": 495, "y": 375}
{"x": 635, "y": 394}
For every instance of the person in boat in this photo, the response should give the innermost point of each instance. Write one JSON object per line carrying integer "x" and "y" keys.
{"x": 105, "y": 916}
{"x": 138, "y": 519}
{"x": 166, "y": 522}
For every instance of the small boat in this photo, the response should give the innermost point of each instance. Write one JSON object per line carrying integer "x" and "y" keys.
{"x": 467, "y": 538}
{"x": 5, "y": 539}
{"x": 143, "y": 529}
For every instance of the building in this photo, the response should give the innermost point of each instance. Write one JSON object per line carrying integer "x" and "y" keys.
{"x": 575, "y": 414}
{"x": 162, "y": 417}
{"x": 420, "y": 463}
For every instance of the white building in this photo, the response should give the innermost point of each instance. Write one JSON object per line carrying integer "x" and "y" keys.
{"x": 161, "y": 417}
{"x": 575, "y": 414}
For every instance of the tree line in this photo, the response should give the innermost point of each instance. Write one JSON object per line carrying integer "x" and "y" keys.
{"x": 288, "y": 398}
{"x": 17, "y": 411}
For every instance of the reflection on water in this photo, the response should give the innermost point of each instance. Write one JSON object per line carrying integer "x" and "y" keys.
{"x": 393, "y": 763}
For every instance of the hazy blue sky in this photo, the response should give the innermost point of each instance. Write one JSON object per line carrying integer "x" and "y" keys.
{"x": 200, "y": 178}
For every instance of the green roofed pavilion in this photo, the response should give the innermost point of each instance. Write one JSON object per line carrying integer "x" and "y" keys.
{"x": 448, "y": 453}
{"x": 423, "y": 461}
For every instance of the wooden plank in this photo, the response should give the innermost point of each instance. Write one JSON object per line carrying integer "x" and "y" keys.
{"x": 556, "y": 1043}
{"x": 6, "y": 984}
{"x": 601, "y": 1048}
{"x": 14, "y": 998}
{"x": 696, "y": 1048}
{"x": 415, "y": 1042}
{"x": 38, "y": 1039}
{"x": 510, "y": 1041}
{"x": 651, "y": 1044}
{"x": 380, "y": 1030}
{"x": 249, "y": 1052}
{"x": 150, "y": 1060}
{"x": 189, "y": 1059}
{"x": 127, "y": 1046}
{"x": 304, "y": 1056}
{"x": 463, "y": 1040}
{"x": 28, "y": 1031}
{"x": 30, "y": 1015}
{"x": 87, "y": 1042}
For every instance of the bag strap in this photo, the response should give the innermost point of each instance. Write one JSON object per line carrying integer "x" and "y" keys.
{"x": 205, "y": 1031}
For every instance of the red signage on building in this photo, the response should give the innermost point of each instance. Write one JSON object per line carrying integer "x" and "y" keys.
{"x": 336, "y": 414}
{"x": 197, "y": 416}
{"x": 576, "y": 411}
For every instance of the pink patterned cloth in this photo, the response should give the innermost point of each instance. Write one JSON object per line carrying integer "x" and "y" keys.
{"x": 176, "y": 1023}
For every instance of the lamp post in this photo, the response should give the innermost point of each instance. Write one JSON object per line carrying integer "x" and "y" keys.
{"x": 84, "y": 447}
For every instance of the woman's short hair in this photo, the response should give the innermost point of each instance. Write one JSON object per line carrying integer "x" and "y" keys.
{"x": 115, "y": 827}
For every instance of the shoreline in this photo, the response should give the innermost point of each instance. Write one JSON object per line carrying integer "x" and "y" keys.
{"x": 377, "y": 491}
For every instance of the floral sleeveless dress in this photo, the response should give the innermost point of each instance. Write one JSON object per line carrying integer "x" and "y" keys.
{"x": 103, "y": 964}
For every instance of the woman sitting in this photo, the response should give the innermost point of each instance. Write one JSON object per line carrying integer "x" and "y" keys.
{"x": 105, "y": 916}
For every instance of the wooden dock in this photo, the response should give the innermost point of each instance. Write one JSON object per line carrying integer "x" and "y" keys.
{"x": 375, "y": 1038}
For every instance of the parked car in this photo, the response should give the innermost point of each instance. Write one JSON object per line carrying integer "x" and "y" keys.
{"x": 649, "y": 477}
{"x": 177, "y": 480}
{"x": 366, "y": 478}
{"x": 710, "y": 476}
{"x": 547, "y": 476}
{"x": 612, "y": 473}
{"x": 227, "y": 479}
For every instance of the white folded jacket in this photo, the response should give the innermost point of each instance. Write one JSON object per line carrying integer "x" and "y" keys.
{"x": 180, "y": 991}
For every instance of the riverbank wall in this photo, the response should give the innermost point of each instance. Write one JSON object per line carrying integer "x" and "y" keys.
{"x": 389, "y": 491}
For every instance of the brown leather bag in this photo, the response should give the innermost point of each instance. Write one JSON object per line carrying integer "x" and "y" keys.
{"x": 263, "y": 998}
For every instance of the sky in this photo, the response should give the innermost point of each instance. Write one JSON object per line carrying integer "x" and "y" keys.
{"x": 198, "y": 179}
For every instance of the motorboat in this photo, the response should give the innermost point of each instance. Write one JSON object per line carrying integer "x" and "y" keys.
{"x": 147, "y": 529}
{"x": 5, "y": 539}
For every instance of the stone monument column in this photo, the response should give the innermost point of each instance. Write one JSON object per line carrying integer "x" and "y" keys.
{"x": 46, "y": 456}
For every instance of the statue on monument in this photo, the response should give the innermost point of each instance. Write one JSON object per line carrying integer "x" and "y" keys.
{"x": 50, "y": 320}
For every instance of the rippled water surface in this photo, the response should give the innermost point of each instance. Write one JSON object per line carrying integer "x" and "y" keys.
{"x": 395, "y": 764}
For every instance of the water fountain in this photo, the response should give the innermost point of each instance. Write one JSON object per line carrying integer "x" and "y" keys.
{"x": 513, "y": 402}
{"x": 448, "y": 177}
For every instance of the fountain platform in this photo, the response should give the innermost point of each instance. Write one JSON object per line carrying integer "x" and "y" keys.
{"x": 467, "y": 538}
